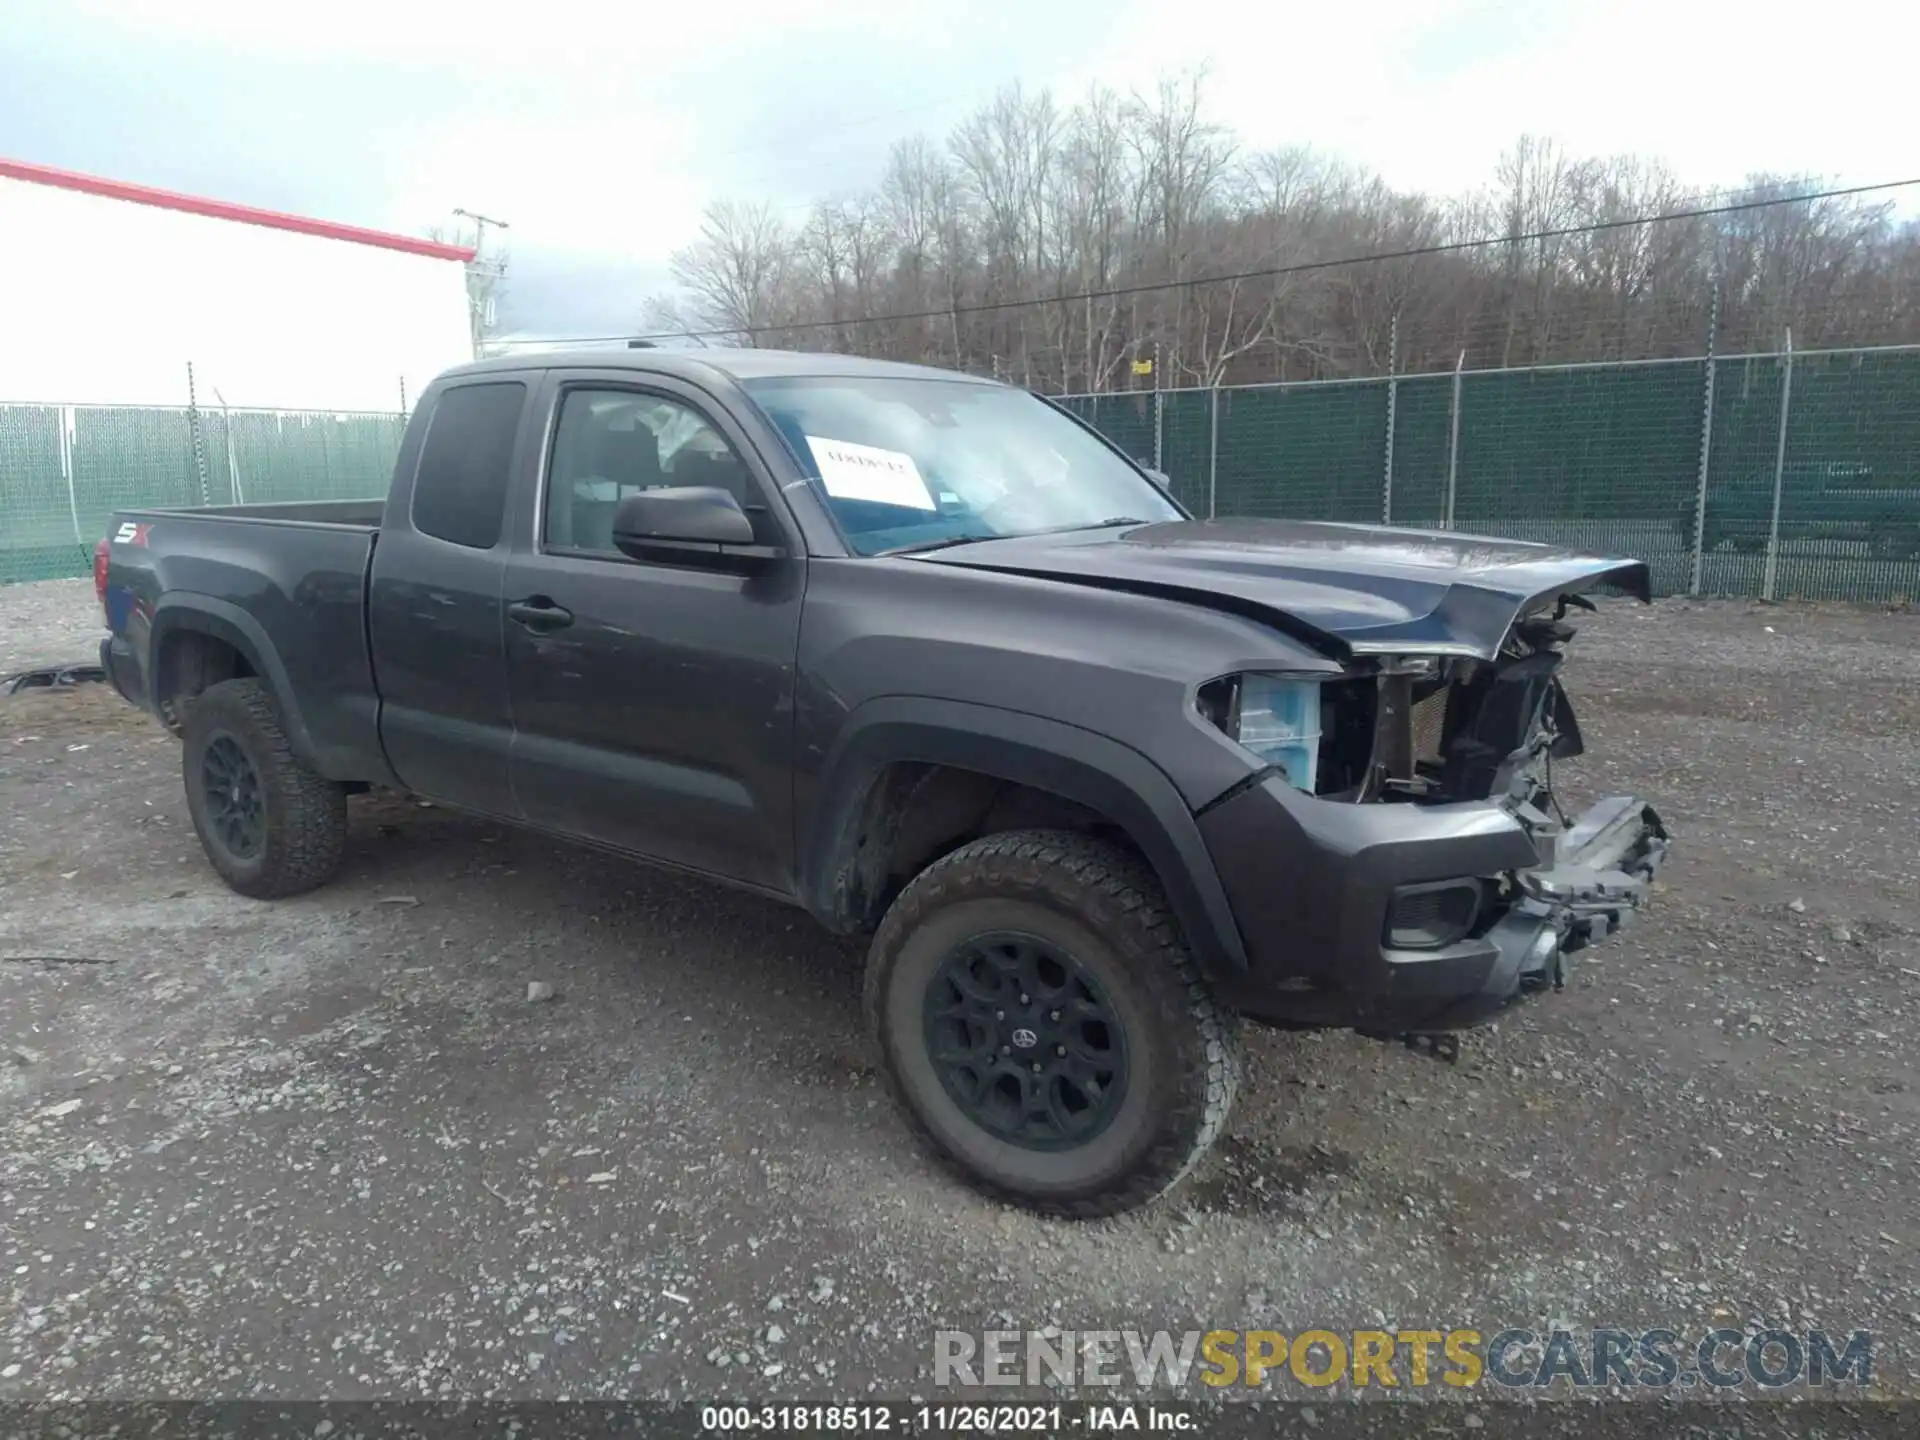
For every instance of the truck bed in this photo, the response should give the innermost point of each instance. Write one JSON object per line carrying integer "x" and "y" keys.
{"x": 286, "y": 584}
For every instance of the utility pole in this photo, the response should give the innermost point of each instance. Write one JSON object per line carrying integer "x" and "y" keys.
{"x": 480, "y": 223}
{"x": 482, "y": 274}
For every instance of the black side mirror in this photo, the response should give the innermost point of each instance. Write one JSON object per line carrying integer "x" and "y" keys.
{"x": 692, "y": 524}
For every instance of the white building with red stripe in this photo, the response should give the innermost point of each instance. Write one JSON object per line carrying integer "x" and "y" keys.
{"x": 109, "y": 290}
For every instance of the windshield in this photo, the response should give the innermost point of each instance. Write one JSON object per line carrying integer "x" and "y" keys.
{"x": 910, "y": 463}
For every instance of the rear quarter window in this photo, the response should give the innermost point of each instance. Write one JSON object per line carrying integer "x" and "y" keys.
{"x": 460, "y": 489}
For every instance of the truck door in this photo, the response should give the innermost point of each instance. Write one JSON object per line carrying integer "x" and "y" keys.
{"x": 434, "y": 604}
{"x": 653, "y": 702}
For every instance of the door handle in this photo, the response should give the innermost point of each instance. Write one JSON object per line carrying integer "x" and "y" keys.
{"x": 538, "y": 613}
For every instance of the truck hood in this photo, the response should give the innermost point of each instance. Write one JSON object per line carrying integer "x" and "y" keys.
{"x": 1346, "y": 589}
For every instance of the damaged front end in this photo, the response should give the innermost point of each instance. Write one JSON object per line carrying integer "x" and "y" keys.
{"x": 1442, "y": 877}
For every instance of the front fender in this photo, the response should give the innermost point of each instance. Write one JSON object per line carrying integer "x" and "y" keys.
{"x": 1050, "y": 755}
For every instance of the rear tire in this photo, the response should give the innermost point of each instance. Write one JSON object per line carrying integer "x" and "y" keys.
{"x": 271, "y": 826}
{"x": 1044, "y": 1027}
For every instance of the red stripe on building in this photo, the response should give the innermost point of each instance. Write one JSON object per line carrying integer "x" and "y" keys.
{"x": 222, "y": 210}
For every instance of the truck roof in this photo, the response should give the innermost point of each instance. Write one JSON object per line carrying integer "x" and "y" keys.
{"x": 694, "y": 364}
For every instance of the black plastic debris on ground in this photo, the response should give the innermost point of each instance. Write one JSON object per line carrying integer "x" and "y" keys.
{"x": 52, "y": 677}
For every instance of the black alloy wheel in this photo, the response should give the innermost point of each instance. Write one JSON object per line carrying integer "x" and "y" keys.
{"x": 236, "y": 812}
{"x": 1025, "y": 1041}
{"x": 1044, "y": 1027}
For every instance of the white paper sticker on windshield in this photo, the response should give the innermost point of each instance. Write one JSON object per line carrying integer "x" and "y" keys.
{"x": 865, "y": 472}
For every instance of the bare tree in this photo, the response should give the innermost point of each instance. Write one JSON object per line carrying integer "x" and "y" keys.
{"x": 739, "y": 275}
{"x": 1053, "y": 244}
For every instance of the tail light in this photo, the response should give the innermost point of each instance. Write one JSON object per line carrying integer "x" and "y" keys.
{"x": 102, "y": 557}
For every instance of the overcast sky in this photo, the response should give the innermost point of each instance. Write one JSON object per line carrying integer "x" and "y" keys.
{"x": 600, "y": 129}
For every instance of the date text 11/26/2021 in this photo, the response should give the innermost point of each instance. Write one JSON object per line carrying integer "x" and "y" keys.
{"x": 1112, "y": 1418}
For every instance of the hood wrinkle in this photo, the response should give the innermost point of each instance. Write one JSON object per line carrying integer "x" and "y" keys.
{"x": 1344, "y": 589}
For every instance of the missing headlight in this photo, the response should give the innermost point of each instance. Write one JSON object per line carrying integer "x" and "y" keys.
{"x": 1347, "y": 709}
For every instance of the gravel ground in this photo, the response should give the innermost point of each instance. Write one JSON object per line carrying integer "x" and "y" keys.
{"x": 328, "y": 1148}
{"x": 54, "y": 622}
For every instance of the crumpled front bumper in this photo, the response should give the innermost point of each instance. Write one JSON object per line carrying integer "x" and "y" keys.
{"x": 1311, "y": 883}
{"x": 1592, "y": 881}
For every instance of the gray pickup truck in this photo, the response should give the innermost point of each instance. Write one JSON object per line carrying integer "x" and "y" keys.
{"x": 1818, "y": 501}
{"x": 930, "y": 659}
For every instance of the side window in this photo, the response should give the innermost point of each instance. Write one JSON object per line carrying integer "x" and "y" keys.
{"x": 460, "y": 489}
{"x": 610, "y": 444}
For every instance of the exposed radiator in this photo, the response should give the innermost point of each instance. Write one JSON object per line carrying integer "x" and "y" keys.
{"x": 1430, "y": 725}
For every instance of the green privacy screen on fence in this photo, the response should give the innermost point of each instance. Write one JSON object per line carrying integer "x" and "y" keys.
{"x": 65, "y": 469}
{"x": 1607, "y": 461}
{"x": 1605, "y": 458}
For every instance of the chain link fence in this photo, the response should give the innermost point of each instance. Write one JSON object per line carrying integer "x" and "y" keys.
{"x": 1777, "y": 475}
{"x": 65, "y": 468}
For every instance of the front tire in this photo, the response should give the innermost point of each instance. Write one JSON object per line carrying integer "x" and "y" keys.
{"x": 1044, "y": 1027}
{"x": 271, "y": 826}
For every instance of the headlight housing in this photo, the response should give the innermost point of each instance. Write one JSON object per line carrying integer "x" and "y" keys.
{"x": 1320, "y": 729}
{"x": 1274, "y": 715}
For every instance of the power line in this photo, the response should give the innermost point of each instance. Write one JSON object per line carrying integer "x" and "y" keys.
{"x": 1265, "y": 273}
